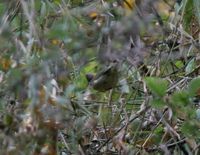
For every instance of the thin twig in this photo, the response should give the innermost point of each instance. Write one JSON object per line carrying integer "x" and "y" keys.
{"x": 130, "y": 121}
{"x": 182, "y": 80}
{"x": 64, "y": 141}
{"x": 168, "y": 146}
{"x": 150, "y": 135}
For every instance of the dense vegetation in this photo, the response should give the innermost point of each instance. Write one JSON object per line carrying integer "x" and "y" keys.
{"x": 99, "y": 77}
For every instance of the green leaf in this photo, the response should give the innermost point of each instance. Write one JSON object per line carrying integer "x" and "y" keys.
{"x": 180, "y": 98}
{"x": 194, "y": 87}
{"x": 14, "y": 77}
{"x": 159, "y": 131}
{"x": 2, "y": 9}
{"x": 190, "y": 129}
{"x": 105, "y": 115}
{"x": 90, "y": 67}
{"x": 58, "y": 31}
{"x": 157, "y": 85}
{"x": 188, "y": 13}
{"x": 134, "y": 126}
{"x": 8, "y": 119}
{"x": 70, "y": 91}
{"x": 190, "y": 66}
{"x": 179, "y": 64}
{"x": 198, "y": 114}
{"x": 158, "y": 103}
{"x": 58, "y": 2}
{"x": 76, "y": 3}
{"x": 197, "y": 9}
{"x": 43, "y": 9}
{"x": 124, "y": 86}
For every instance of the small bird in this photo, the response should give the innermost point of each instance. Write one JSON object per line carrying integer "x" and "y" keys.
{"x": 104, "y": 80}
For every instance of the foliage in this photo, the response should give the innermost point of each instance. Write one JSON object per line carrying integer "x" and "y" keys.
{"x": 61, "y": 94}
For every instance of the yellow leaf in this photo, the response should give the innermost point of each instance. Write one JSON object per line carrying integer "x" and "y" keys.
{"x": 55, "y": 42}
{"x": 129, "y": 4}
{"x": 5, "y": 63}
{"x": 93, "y": 15}
{"x": 42, "y": 95}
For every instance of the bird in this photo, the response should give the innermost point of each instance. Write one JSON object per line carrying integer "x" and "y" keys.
{"x": 105, "y": 79}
